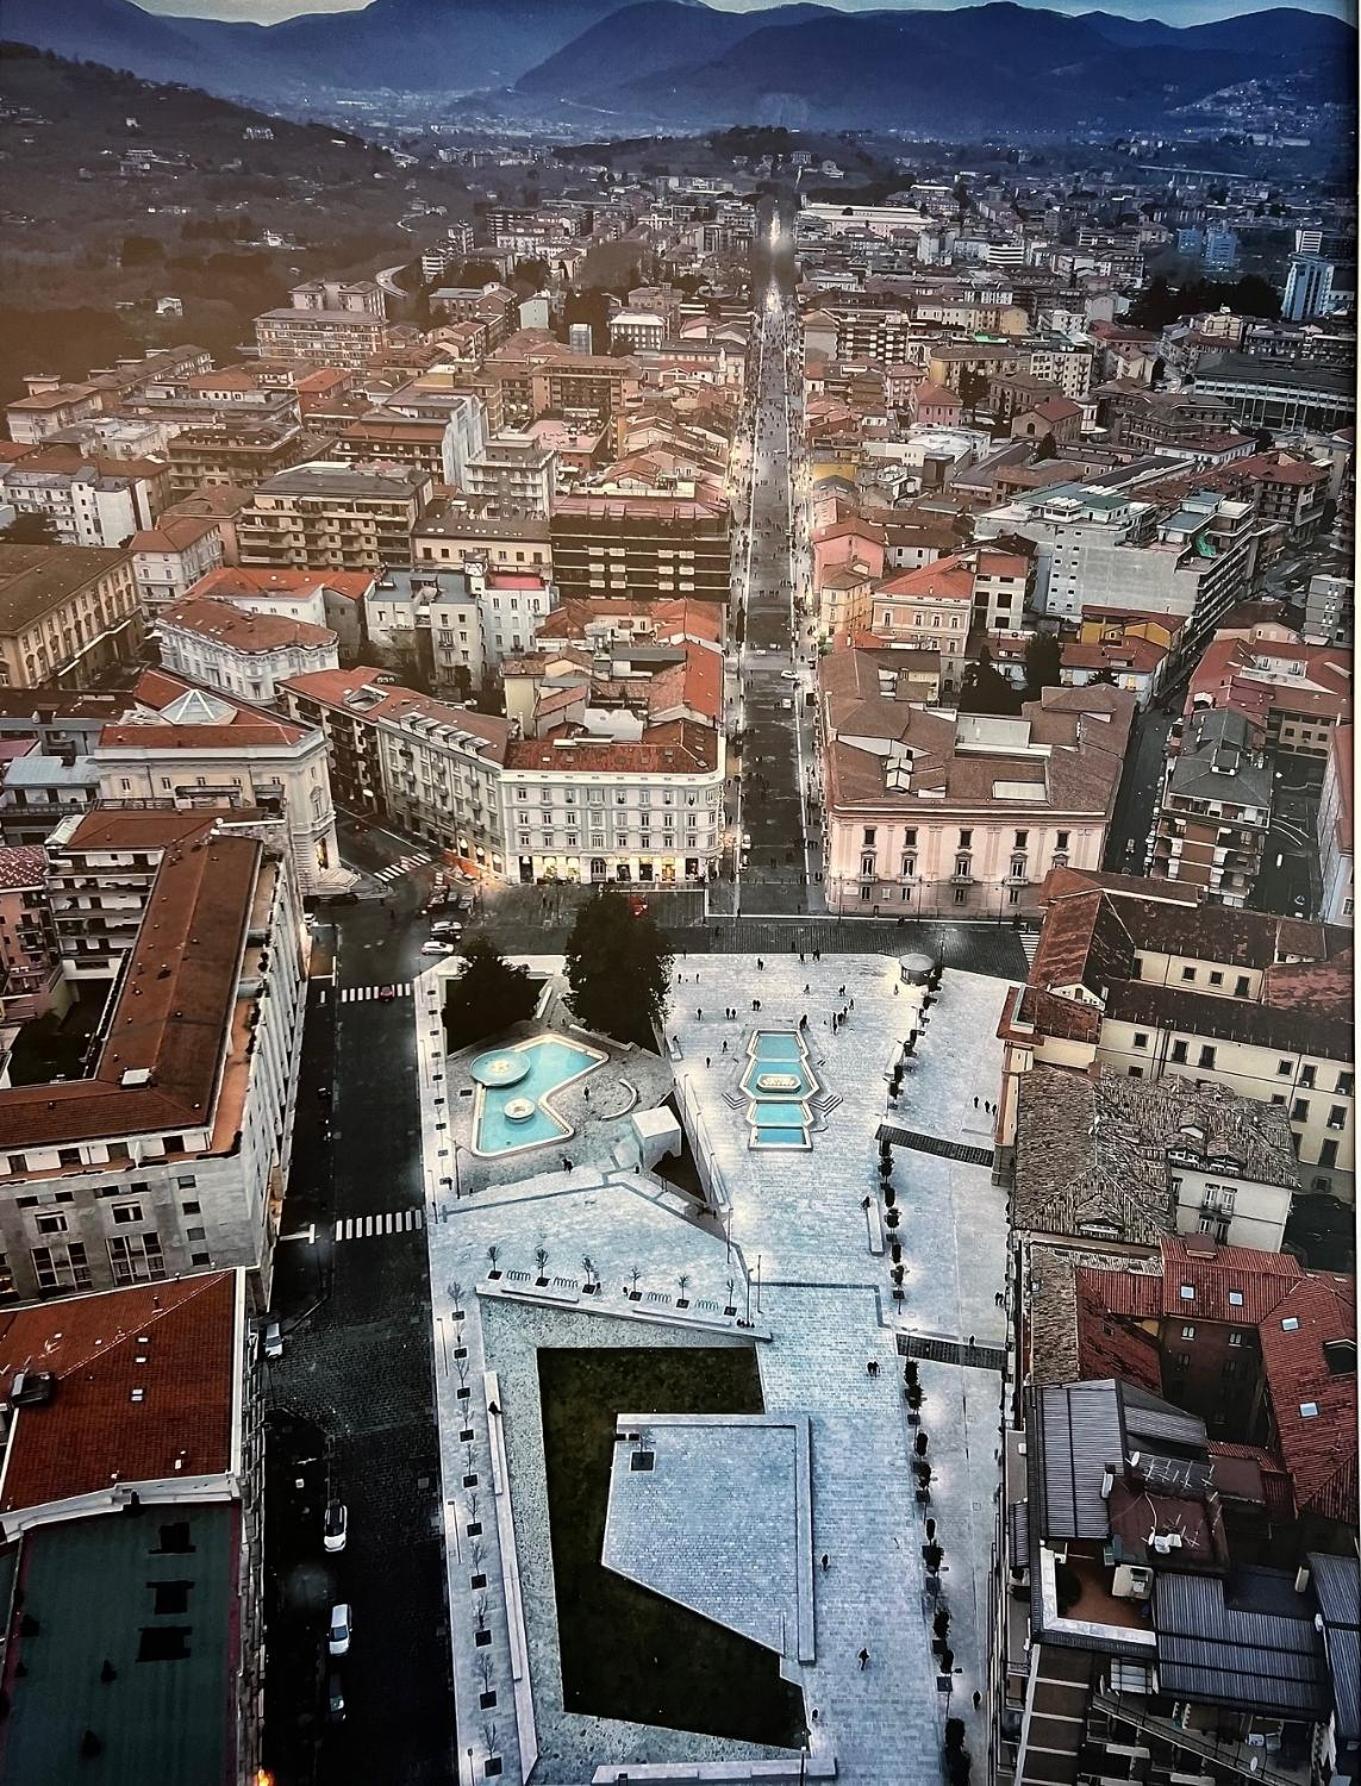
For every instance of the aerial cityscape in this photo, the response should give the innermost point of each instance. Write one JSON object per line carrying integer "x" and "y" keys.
{"x": 676, "y": 894}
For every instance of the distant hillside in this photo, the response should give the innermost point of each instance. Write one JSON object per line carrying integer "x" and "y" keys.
{"x": 644, "y": 41}
{"x": 992, "y": 67}
{"x": 976, "y": 68}
{"x": 421, "y": 45}
{"x": 92, "y": 235}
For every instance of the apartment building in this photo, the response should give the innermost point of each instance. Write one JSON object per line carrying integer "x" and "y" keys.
{"x": 331, "y": 599}
{"x": 133, "y": 1461}
{"x": 1101, "y": 1157}
{"x": 1214, "y": 809}
{"x": 1294, "y": 694}
{"x": 930, "y": 609}
{"x": 453, "y": 628}
{"x": 1336, "y": 829}
{"x": 238, "y": 455}
{"x": 178, "y": 745}
{"x": 247, "y": 654}
{"x": 66, "y": 614}
{"x": 99, "y": 504}
{"x": 430, "y": 768}
{"x": 31, "y": 982}
{"x": 1133, "y": 650}
{"x": 1101, "y": 547}
{"x": 514, "y": 474}
{"x": 1135, "y": 1617}
{"x": 328, "y": 323}
{"x": 169, "y": 1154}
{"x": 641, "y": 807}
{"x": 169, "y": 558}
{"x": 1128, "y": 977}
{"x": 647, "y": 547}
{"x": 451, "y": 538}
{"x": 930, "y": 809}
{"x": 328, "y": 515}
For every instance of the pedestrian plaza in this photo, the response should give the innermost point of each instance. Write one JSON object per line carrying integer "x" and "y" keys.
{"x": 787, "y": 1251}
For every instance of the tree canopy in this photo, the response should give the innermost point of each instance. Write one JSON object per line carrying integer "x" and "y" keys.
{"x": 618, "y": 967}
{"x": 1160, "y": 303}
{"x": 985, "y": 689}
{"x": 1043, "y": 658}
{"x": 489, "y": 996}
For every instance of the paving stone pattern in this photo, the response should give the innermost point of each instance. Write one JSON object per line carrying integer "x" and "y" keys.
{"x": 800, "y": 1246}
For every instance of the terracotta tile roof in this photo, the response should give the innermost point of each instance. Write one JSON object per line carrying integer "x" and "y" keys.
{"x": 156, "y": 690}
{"x": 172, "y": 1016}
{"x": 679, "y": 747}
{"x": 1318, "y": 1449}
{"x": 948, "y": 579}
{"x": 174, "y": 533}
{"x": 23, "y": 865}
{"x": 232, "y": 581}
{"x": 394, "y": 704}
{"x": 242, "y": 629}
{"x": 175, "y": 1340}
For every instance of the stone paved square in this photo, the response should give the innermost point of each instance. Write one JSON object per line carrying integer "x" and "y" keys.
{"x": 788, "y": 1243}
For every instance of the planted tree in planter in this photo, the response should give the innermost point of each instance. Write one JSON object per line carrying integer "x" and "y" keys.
{"x": 493, "y": 1254}
{"x": 541, "y": 1260}
{"x": 909, "y": 1369}
{"x": 914, "y": 1397}
{"x": 893, "y": 1217}
{"x": 683, "y": 1284}
{"x": 731, "y": 1308}
{"x": 923, "y": 1472}
{"x": 940, "y": 1625}
{"x": 592, "y": 1278}
{"x": 933, "y": 1556}
{"x": 635, "y": 1294}
{"x": 619, "y": 968}
{"x": 890, "y": 1195}
{"x": 898, "y": 1273}
{"x": 920, "y": 1444}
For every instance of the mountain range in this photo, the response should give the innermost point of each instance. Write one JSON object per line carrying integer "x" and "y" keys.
{"x": 997, "y": 66}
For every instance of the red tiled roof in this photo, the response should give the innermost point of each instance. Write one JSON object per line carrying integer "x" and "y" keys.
{"x": 22, "y": 865}
{"x": 242, "y": 629}
{"x": 176, "y": 1340}
{"x": 679, "y": 747}
{"x": 234, "y": 581}
{"x": 172, "y": 1017}
{"x": 1318, "y": 1449}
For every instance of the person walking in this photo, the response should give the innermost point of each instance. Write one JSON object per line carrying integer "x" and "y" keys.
{"x": 826, "y": 1562}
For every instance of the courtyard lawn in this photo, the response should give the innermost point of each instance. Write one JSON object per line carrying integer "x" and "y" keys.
{"x": 626, "y": 1652}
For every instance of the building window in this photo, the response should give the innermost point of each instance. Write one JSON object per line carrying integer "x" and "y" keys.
{"x": 1188, "y": 973}
{"x": 126, "y": 1214}
{"x": 966, "y": 839}
{"x": 1307, "y": 1076}
{"x": 1299, "y": 1110}
{"x": 1207, "y": 1058}
{"x": 961, "y": 895}
{"x": 136, "y": 1258}
{"x": 1188, "y": 1332}
{"x": 1061, "y": 840}
{"x": 61, "y": 1267}
{"x": 1141, "y": 1038}
{"x": 54, "y": 1223}
{"x": 1240, "y": 989}
{"x": 1235, "y": 1336}
{"x": 1179, "y": 1053}
{"x": 1284, "y": 1068}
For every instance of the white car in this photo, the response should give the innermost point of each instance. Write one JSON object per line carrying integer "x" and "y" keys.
{"x": 434, "y": 947}
{"x": 340, "y": 1630}
{"x": 335, "y": 1526}
{"x": 789, "y": 675}
{"x": 787, "y": 704}
{"x": 273, "y": 1340}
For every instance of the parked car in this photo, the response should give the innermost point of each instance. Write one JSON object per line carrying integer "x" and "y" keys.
{"x": 436, "y": 947}
{"x": 340, "y": 1630}
{"x": 273, "y": 1340}
{"x": 789, "y": 675}
{"x": 335, "y": 1525}
{"x": 335, "y": 1698}
{"x": 446, "y": 927}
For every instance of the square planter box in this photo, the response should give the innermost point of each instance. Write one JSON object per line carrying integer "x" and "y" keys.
{"x": 481, "y": 1639}
{"x": 475, "y": 1529}
{"x": 477, "y": 1581}
{"x": 486, "y": 1701}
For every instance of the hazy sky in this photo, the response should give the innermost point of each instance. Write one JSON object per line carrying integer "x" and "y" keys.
{"x": 1175, "y": 12}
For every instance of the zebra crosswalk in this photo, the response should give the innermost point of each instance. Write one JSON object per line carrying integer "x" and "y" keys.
{"x": 373, "y": 1227}
{"x": 395, "y": 870}
{"x": 356, "y": 995}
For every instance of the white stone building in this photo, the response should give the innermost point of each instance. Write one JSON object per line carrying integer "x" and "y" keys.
{"x": 247, "y": 654}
